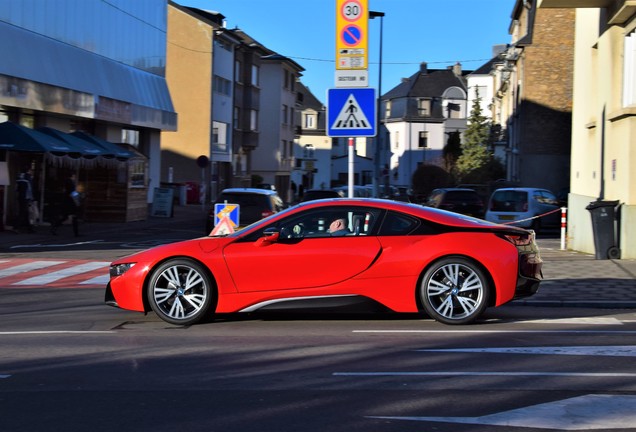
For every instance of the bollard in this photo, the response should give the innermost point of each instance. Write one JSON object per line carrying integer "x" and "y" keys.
{"x": 564, "y": 213}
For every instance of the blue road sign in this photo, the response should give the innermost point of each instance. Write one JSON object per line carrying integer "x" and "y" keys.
{"x": 231, "y": 211}
{"x": 351, "y": 112}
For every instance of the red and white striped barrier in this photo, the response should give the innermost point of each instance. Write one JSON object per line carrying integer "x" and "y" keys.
{"x": 564, "y": 222}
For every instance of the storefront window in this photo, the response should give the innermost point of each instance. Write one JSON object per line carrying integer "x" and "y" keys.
{"x": 137, "y": 174}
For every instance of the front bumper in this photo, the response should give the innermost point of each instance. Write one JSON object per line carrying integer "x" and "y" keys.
{"x": 109, "y": 297}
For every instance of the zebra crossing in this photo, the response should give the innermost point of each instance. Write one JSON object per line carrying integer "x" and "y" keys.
{"x": 51, "y": 273}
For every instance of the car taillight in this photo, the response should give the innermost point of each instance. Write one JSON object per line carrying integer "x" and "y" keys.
{"x": 518, "y": 239}
{"x": 266, "y": 213}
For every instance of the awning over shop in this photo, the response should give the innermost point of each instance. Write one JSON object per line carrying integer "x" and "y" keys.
{"x": 111, "y": 149}
{"x": 15, "y": 137}
{"x": 86, "y": 148}
{"x": 20, "y": 138}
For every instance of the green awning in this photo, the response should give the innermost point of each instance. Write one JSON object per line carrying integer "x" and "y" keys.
{"x": 15, "y": 137}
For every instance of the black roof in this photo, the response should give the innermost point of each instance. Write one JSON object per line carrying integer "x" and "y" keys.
{"x": 309, "y": 99}
{"x": 487, "y": 67}
{"x": 431, "y": 83}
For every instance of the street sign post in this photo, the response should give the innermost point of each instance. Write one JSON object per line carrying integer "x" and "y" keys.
{"x": 351, "y": 107}
{"x": 352, "y": 43}
{"x": 351, "y": 112}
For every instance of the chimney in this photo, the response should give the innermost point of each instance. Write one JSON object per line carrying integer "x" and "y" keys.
{"x": 423, "y": 68}
{"x": 457, "y": 69}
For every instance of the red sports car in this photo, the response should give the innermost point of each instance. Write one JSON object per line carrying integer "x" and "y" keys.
{"x": 335, "y": 252}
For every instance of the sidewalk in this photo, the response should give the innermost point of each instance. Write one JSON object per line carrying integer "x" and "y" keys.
{"x": 579, "y": 280}
{"x": 188, "y": 221}
{"x": 570, "y": 278}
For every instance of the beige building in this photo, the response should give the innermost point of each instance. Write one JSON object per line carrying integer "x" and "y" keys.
{"x": 189, "y": 76}
{"x": 200, "y": 75}
{"x": 603, "y": 164}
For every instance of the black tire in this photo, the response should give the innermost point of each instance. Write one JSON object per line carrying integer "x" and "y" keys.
{"x": 181, "y": 292}
{"x": 454, "y": 290}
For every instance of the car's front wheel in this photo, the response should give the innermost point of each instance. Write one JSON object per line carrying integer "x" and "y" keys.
{"x": 181, "y": 292}
{"x": 454, "y": 291}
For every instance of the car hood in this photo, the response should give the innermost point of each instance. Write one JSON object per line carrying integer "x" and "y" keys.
{"x": 186, "y": 247}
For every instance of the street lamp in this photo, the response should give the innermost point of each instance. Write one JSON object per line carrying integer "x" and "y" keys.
{"x": 378, "y": 139}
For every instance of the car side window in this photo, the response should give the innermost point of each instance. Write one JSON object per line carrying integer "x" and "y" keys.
{"x": 359, "y": 221}
{"x": 316, "y": 223}
{"x": 395, "y": 224}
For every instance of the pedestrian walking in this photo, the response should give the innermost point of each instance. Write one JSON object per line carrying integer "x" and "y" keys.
{"x": 69, "y": 207}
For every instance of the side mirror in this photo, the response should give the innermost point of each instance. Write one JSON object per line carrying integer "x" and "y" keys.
{"x": 270, "y": 235}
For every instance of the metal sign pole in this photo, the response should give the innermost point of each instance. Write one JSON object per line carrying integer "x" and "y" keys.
{"x": 351, "y": 166}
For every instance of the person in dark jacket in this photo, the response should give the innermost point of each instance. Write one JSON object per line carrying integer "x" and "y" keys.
{"x": 69, "y": 207}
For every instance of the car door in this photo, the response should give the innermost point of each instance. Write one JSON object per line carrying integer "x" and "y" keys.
{"x": 308, "y": 259}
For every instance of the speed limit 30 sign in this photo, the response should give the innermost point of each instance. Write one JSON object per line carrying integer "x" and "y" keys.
{"x": 351, "y": 10}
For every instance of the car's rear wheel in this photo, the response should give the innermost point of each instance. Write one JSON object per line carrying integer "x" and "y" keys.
{"x": 454, "y": 291}
{"x": 181, "y": 292}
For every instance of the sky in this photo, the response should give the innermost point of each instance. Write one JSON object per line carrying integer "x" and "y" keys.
{"x": 438, "y": 32}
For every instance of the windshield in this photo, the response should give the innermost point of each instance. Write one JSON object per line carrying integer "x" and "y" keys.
{"x": 257, "y": 223}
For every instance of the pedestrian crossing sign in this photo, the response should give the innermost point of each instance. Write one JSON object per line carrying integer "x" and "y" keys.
{"x": 351, "y": 112}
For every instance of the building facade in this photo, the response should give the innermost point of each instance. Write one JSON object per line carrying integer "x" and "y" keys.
{"x": 273, "y": 158}
{"x": 247, "y": 106}
{"x": 200, "y": 74}
{"x": 533, "y": 96}
{"x": 603, "y": 119}
{"x": 418, "y": 116}
{"x": 91, "y": 66}
{"x": 312, "y": 148}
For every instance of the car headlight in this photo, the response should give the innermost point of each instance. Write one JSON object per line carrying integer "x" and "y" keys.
{"x": 120, "y": 269}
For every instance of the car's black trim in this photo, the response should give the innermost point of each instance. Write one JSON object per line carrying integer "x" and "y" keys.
{"x": 109, "y": 298}
{"x": 347, "y": 302}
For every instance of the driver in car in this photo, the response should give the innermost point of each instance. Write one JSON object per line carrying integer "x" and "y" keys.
{"x": 338, "y": 227}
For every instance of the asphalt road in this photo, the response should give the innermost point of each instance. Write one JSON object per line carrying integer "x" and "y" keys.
{"x": 69, "y": 363}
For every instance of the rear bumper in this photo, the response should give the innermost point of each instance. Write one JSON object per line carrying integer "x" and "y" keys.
{"x": 530, "y": 273}
{"x": 526, "y": 287}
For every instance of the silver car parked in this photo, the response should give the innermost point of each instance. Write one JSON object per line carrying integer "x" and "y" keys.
{"x": 524, "y": 207}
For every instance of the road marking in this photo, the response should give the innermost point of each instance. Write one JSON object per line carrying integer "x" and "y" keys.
{"x": 35, "y": 246}
{"x": 42, "y": 332}
{"x": 494, "y": 373}
{"x": 583, "y": 321}
{"x": 48, "y": 273}
{"x": 51, "y": 277}
{"x": 589, "y": 412}
{"x": 98, "y": 280}
{"x": 499, "y": 331}
{"x": 30, "y": 266}
{"x": 610, "y": 351}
